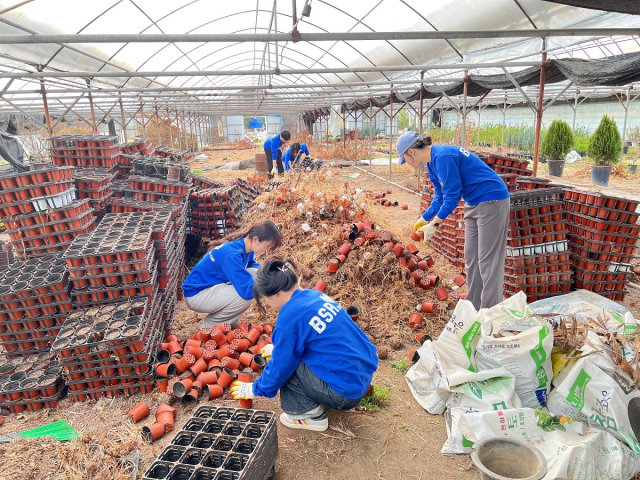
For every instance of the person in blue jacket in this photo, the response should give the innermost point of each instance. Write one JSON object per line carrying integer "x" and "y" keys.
{"x": 293, "y": 155}
{"x": 273, "y": 149}
{"x": 320, "y": 357}
{"x": 221, "y": 284}
{"x": 455, "y": 174}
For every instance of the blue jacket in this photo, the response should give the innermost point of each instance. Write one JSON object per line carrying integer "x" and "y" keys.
{"x": 287, "y": 158}
{"x": 274, "y": 143}
{"x": 314, "y": 329}
{"x": 226, "y": 263}
{"x": 456, "y": 173}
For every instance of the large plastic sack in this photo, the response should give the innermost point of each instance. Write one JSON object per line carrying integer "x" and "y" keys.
{"x": 574, "y": 451}
{"x": 485, "y": 391}
{"x": 572, "y": 157}
{"x": 515, "y": 338}
{"x": 446, "y": 361}
{"x": 420, "y": 379}
{"x": 597, "y": 392}
{"x": 563, "y": 303}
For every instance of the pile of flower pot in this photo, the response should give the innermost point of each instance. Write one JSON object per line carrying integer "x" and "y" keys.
{"x": 6, "y": 254}
{"x": 204, "y": 183}
{"x": 537, "y": 257}
{"x": 506, "y": 164}
{"x": 385, "y": 202}
{"x": 249, "y": 191}
{"x": 208, "y": 362}
{"x": 42, "y": 216}
{"x": 165, "y": 419}
{"x": 510, "y": 180}
{"x": 85, "y": 151}
{"x": 531, "y": 183}
{"x": 160, "y": 167}
{"x": 216, "y": 212}
{"x": 219, "y": 443}
{"x": 34, "y": 301}
{"x": 96, "y": 186}
{"x": 107, "y": 350}
{"x": 140, "y": 146}
{"x": 165, "y": 151}
{"x": 115, "y": 261}
{"x": 603, "y": 236}
{"x": 30, "y": 382}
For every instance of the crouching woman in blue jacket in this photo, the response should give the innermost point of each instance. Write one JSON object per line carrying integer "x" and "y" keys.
{"x": 320, "y": 357}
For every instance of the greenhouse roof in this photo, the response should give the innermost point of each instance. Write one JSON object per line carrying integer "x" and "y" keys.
{"x": 266, "y": 57}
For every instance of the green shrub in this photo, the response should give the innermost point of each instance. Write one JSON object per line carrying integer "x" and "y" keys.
{"x": 605, "y": 145}
{"x": 558, "y": 142}
{"x": 377, "y": 399}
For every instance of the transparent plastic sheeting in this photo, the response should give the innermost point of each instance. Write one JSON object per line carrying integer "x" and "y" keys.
{"x": 188, "y": 16}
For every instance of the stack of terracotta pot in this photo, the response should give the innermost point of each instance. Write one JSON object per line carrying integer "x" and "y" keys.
{"x": 34, "y": 301}
{"x": 85, "y": 151}
{"x": 97, "y": 187}
{"x": 30, "y": 382}
{"x": 603, "y": 236}
{"x": 209, "y": 361}
{"x": 204, "y": 183}
{"x": 107, "y": 350}
{"x": 506, "y": 164}
{"x": 216, "y": 212}
{"x": 249, "y": 191}
{"x": 140, "y": 146}
{"x": 165, "y": 151}
{"x": 41, "y": 214}
{"x": 116, "y": 261}
{"x": 537, "y": 256}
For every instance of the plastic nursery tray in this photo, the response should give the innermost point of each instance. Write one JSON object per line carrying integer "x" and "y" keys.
{"x": 619, "y": 239}
{"x": 601, "y": 200}
{"x": 35, "y": 177}
{"x": 35, "y": 403}
{"x": 534, "y": 198}
{"x": 59, "y": 230}
{"x": 540, "y": 248}
{"x": 220, "y": 443}
{"x": 603, "y": 213}
{"x": 604, "y": 247}
{"x": 49, "y": 225}
{"x": 599, "y": 224}
{"x": 539, "y": 288}
{"x": 21, "y": 194}
{"x": 542, "y": 268}
{"x": 538, "y": 278}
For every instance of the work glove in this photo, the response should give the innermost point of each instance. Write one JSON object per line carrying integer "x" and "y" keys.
{"x": 419, "y": 224}
{"x": 266, "y": 352}
{"x": 241, "y": 390}
{"x": 429, "y": 229}
{"x": 274, "y": 170}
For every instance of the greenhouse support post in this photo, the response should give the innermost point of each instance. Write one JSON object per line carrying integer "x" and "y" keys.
{"x": 124, "y": 125}
{"x": 464, "y": 109}
{"x": 543, "y": 73}
{"x": 93, "y": 113}
{"x": 46, "y": 108}
{"x": 170, "y": 132}
{"x": 390, "y": 130}
{"x": 144, "y": 130}
{"x": 626, "y": 114}
{"x": 370, "y": 133}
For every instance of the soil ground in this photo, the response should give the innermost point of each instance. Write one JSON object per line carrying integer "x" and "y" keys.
{"x": 400, "y": 441}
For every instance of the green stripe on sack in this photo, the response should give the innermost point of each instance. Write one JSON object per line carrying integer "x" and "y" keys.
{"x": 467, "y": 340}
{"x": 576, "y": 394}
{"x": 540, "y": 356}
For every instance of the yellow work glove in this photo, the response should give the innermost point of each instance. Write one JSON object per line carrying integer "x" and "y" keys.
{"x": 266, "y": 352}
{"x": 429, "y": 229}
{"x": 419, "y": 224}
{"x": 241, "y": 390}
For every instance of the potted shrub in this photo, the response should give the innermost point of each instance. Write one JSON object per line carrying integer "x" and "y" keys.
{"x": 557, "y": 143}
{"x": 605, "y": 147}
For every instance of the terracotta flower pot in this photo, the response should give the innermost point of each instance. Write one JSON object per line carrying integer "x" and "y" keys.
{"x": 215, "y": 391}
{"x": 151, "y": 433}
{"x": 258, "y": 362}
{"x": 207, "y": 378}
{"x": 459, "y": 280}
{"x": 414, "y": 356}
{"x": 334, "y": 265}
{"x": 226, "y": 377}
{"x": 428, "y": 307}
{"x": 185, "y": 363}
{"x": 434, "y": 280}
{"x": 137, "y": 413}
{"x": 320, "y": 286}
{"x": 415, "y": 320}
{"x": 442, "y": 293}
{"x": 163, "y": 407}
{"x": 165, "y": 369}
{"x": 199, "y": 367}
{"x": 162, "y": 384}
{"x": 230, "y": 363}
{"x": 195, "y": 351}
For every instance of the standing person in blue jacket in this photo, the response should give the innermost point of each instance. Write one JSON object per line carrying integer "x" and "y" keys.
{"x": 272, "y": 149}
{"x": 455, "y": 174}
{"x": 221, "y": 284}
{"x": 320, "y": 357}
{"x": 293, "y": 155}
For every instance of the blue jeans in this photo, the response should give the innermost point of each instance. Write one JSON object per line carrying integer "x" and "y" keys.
{"x": 306, "y": 392}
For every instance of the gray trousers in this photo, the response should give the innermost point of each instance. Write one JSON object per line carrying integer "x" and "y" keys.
{"x": 221, "y": 302}
{"x": 485, "y": 244}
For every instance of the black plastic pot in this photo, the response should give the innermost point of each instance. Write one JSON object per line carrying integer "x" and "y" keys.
{"x": 600, "y": 174}
{"x": 625, "y": 149}
{"x": 632, "y": 168}
{"x": 556, "y": 167}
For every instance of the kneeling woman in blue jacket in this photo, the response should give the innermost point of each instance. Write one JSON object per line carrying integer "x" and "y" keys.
{"x": 221, "y": 284}
{"x": 320, "y": 357}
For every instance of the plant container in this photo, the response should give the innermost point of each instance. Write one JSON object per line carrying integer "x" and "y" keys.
{"x": 137, "y": 413}
{"x": 353, "y": 312}
{"x": 151, "y": 433}
{"x": 442, "y": 293}
{"x": 556, "y": 167}
{"x": 415, "y": 320}
{"x": 215, "y": 391}
{"x": 600, "y": 174}
{"x": 428, "y": 307}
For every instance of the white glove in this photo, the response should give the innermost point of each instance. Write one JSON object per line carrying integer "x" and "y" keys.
{"x": 267, "y": 352}
{"x": 241, "y": 390}
{"x": 428, "y": 230}
{"x": 419, "y": 224}
{"x": 274, "y": 170}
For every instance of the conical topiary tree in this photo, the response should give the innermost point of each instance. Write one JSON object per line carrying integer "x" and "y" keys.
{"x": 605, "y": 145}
{"x": 558, "y": 141}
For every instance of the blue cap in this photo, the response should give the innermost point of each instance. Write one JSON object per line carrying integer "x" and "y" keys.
{"x": 404, "y": 143}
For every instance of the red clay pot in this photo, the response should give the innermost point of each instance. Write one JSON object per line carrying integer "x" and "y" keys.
{"x": 415, "y": 320}
{"x": 185, "y": 363}
{"x": 215, "y": 391}
{"x": 137, "y": 413}
{"x": 428, "y": 307}
{"x": 151, "y": 433}
{"x": 344, "y": 249}
{"x": 414, "y": 356}
{"x": 226, "y": 377}
{"x": 162, "y": 384}
{"x": 459, "y": 280}
{"x": 207, "y": 378}
{"x": 230, "y": 363}
{"x": 258, "y": 362}
{"x": 165, "y": 369}
{"x": 442, "y": 293}
{"x": 199, "y": 366}
{"x": 434, "y": 280}
{"x": 334, "y": 265}
{"x": 320, "y": 286}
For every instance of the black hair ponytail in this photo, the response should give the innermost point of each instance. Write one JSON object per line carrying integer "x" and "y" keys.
{"x": 422, "y": 142}
{"x": 274, "y": 275}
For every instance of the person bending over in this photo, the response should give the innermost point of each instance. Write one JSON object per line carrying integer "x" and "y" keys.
{"x": 293, "y": 155}
{"x": 221, "y": 284}
{"x": 320, "y": 357}
{"x": 273, "y": 149}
